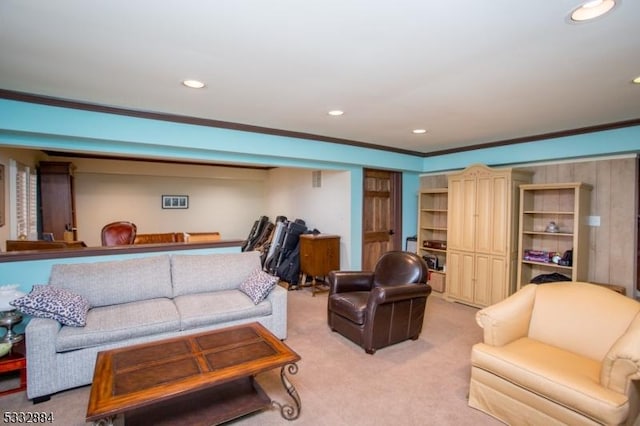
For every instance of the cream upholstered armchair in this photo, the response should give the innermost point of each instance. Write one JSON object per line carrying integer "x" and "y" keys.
{"x": 559, "y": 353}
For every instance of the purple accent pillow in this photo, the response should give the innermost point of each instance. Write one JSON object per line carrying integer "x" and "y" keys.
{"x": 258, "y": 285}
{"x": 47, "y": 301}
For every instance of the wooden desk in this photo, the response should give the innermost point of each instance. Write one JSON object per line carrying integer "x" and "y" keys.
{"x": 16, "y": 360}
{"x": 319, "y": 255}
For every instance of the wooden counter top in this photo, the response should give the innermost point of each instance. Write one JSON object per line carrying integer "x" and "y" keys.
{"x": 17, "y": 256}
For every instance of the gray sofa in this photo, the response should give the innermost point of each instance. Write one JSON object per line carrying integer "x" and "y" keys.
{"x": 139, "y": 300}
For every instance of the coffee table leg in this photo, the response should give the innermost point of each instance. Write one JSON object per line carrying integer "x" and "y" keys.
{"x": 107, "y": 421}
{"x": 287, "y": 411}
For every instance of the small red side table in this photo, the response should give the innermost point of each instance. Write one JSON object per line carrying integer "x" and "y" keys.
{"x": 16, "y": 360}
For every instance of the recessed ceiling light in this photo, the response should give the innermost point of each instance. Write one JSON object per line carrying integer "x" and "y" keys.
{"x": 194, "y": 84}
{"x": 419, "y": 131}
{"x": 592, "y": 9}
{"x": 336, "y": 112}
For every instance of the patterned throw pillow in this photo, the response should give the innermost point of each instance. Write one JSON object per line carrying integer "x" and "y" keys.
{"x": 47, "y": 301}
{"x": 258, "y": 285}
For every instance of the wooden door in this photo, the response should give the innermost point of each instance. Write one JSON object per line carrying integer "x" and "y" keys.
{"x": 382, "y": 215}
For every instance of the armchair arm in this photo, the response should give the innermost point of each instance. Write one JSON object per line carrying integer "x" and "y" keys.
{"x": 509, "y": 319}
{"x": 346, "y": 281}
{"x": 388, "y": 294}
{"x": 621, "y": 365}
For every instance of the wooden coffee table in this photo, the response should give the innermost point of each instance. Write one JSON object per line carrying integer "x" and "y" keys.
{"x": 205, "y": 378}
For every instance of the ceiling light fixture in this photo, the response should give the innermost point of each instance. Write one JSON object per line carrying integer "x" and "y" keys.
{"x": 336, "y": 112}
{"x": 592, "y": 9}
{"x": 636, "y": 80}
{"x": 194, "y": 84}
{"x": 419, "y": 131}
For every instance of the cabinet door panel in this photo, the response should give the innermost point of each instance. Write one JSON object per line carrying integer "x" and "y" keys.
{"x": 499, "y": 279}
{"x": 493, "y": 215}
{"x": 484, "y": 208}
{"x": 453, "y": 274}
{"x": 490, "y": 279}
{"x": 462, "y": 219}
{"x": 500, "y": 215}
{"x": 460, "y": 276}
{"x": 482, "y": 289}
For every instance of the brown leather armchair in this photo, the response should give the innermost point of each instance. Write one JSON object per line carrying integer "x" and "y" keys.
{"x": 383, "y": 307}
{"x": 119, "y": 233}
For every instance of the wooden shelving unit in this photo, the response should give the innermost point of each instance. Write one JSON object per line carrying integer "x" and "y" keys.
{"x": 566, "y": 204}
{"x": 432, "y": 226}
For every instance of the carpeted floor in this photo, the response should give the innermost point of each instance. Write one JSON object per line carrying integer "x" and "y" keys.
{"x": 422, "y": 382}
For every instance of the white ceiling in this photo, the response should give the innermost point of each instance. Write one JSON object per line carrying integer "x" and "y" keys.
{"x": 470, "y": 72}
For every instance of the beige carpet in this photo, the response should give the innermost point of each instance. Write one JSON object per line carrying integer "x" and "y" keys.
{"x": 422, "y": 382}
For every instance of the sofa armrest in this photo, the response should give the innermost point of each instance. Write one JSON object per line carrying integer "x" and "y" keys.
{"x": 40, "y": 335}
{"x": 621, "y": 365}
{"x": 509, "y": 319}
{"x": 278, "y": 298}
{"x": 347, "y": 281}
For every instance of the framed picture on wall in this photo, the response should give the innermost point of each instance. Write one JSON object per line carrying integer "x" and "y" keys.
{"x": 175, "y": 201}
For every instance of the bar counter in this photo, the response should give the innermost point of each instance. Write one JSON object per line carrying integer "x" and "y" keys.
{"x": 65, "y": 253}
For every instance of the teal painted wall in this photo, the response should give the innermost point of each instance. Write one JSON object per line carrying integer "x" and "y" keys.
{"x": 610, "y": 142}
{"x": 410, "y": 188}
{"x": 34, "y": 126}
{"x": 40, "y": 126}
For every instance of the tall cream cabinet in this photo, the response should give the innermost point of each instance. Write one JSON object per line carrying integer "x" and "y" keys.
{"x": 482, "y": 234}
{"x": 567, "y": 206}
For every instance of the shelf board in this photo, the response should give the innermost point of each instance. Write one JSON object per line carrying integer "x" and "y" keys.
{"x": 434, "y": 210}
{"x": 548, "y": 234}
{"x": 434, "y": 191}
{"x": 546, "y": 264}
{"x": 552, "y": 212}
{"x": 432, "y": 249}
{"x": 433, "y": 228}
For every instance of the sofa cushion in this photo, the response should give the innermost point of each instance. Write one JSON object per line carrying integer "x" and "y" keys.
{"x": 564, "y": 377}
{"x": 258, "y": 285}
{"x": 47, "y": 301}
{"x": 203, "y": 309}
{"x": 211, "y": 272}
{"x": 115, "y": 282}
{"x": 110, "y": 324}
